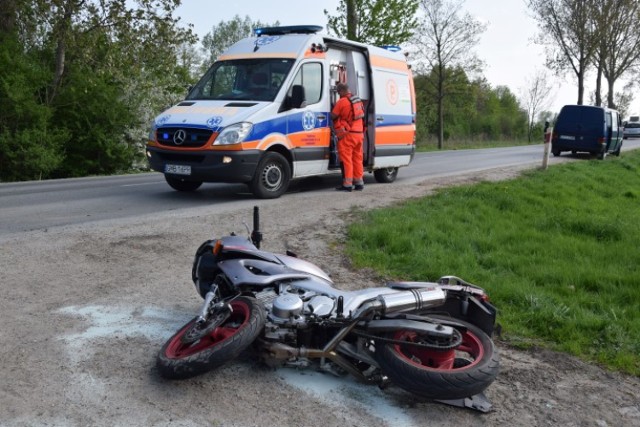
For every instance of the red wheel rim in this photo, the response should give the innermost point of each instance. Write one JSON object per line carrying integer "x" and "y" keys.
{"x": 469, "y": 353}
{"x": 236, "y": 321}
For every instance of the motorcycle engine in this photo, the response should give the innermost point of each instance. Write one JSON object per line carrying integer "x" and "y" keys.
{"x": 289, "y": 317}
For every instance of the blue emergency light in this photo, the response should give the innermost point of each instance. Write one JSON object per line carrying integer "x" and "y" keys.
{"x": 291, "y": 29}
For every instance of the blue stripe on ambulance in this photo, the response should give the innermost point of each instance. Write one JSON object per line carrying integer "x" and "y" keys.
{"x": 285, "y": 125}
{"x": 393, "y": 120}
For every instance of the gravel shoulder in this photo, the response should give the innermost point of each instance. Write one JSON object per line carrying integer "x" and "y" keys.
{"x": 85, "y": 310}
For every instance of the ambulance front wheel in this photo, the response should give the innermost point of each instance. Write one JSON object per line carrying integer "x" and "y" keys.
{"x": 182, "y": 185}
{"x": 272, "y": 176}
{"x": 385, "y": 175}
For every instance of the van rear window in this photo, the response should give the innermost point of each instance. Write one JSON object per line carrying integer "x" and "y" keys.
{"x": 582, "y": 119}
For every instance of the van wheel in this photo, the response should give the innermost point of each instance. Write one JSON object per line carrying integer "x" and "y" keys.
{"x": 182, "y": 185}
{"x": 385, "y": 175}
{"x": 602, "y": 154}
{"x": 556, "y": 153}
{"x": 272, "y": 176}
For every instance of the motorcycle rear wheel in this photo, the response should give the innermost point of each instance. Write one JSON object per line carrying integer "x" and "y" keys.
{"x": 180, "y": 359}
{"x": 457, "y": 373}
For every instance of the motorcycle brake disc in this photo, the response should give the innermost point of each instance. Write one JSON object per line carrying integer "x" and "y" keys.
{"x": 200, "y": 329}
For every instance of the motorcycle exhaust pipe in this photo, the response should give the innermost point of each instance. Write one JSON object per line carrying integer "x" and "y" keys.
{"x": 410, "y": 300}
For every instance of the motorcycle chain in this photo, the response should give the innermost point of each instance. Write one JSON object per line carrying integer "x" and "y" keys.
{"x": 387, "y": 341}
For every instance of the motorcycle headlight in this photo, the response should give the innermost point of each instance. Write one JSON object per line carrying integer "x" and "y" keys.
{"x": 233, "y": 134}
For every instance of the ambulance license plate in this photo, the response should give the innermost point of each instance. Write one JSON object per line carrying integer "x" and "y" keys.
{"x": 177, "y": 169}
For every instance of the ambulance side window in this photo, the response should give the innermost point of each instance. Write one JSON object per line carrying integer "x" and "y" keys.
{"x": 306, "y": 88}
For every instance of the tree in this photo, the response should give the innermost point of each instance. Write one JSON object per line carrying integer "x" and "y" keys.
{"x": 621, "y": 41}
{"x": 30, "y": 144}
{"x": 376, "y": 22}
{"x": 445, "y": 40}
{"x": 536, "y": 98}
{"x": 623, "y": 99}
{"x": 473, "y": 110}
{"x": 227, "y": 33}
{"x": 80, "y": 80}
{"x": 568, "y": 29}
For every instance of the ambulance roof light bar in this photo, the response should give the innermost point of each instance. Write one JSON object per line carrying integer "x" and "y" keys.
{"x": 291, "y": 29}
{"x": 392, "y": 48}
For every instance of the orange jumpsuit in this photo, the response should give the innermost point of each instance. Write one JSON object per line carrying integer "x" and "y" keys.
{"x": 349, "y": 146}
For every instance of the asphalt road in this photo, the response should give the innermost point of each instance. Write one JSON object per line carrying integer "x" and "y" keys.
{"x": 39, "y": 205}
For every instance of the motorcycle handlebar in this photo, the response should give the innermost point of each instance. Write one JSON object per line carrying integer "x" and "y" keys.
{"x": 256, "y": 235}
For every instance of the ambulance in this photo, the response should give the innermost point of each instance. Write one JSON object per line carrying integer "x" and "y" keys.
{"x": 261, "y": 114}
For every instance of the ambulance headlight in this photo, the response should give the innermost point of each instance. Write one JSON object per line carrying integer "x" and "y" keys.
{"x": 233, "y": 134}
{"x": 152, "y": 132}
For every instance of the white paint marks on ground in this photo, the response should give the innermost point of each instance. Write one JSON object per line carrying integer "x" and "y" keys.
{"x": 346, "y": 392}
{"x": 120, "y": 322}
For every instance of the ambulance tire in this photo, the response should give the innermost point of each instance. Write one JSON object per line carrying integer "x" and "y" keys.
{"x": 386, "y": 175}
{"x": 181, "y": 184}
{"x": 272, "y": 176}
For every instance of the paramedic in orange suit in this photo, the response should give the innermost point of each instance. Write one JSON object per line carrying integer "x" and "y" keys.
{"x": 349, "y": 127}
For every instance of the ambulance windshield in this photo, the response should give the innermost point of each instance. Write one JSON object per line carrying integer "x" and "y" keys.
{"x": 242, "y": 79}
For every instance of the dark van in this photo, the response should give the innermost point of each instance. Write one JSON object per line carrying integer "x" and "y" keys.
{"x": 584, "y": 128}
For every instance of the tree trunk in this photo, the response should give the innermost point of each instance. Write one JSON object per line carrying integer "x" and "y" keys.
{"x": 63, "y": 28}
{"x": 7, "y": 16}
{"x": 352, "y": 20}
{"x": 581, "y": 89}
{"x": 610, "y": 95}
{"x": 599, "y": 84}
{"x": 440, "y": 107}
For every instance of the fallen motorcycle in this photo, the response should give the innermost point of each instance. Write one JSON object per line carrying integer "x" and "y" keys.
{"x": 431, "y": 339}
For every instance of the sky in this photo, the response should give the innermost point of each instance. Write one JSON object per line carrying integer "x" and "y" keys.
{"x": 507, "y": 49}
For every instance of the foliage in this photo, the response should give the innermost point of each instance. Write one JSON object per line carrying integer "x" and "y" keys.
{"x": 92, "y": 74}
{"x": 552, "y": 254}
{"x": 376, "y": 22}
{"x": 30, "y": 145}
{"x": 473, "y": 110}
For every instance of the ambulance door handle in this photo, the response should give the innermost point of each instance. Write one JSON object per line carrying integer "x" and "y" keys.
{"x": 380, "y": 119}
{"x": 321, "y": 117}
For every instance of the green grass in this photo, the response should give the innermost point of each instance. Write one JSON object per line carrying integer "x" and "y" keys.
{"x": 557, "y": 251}
{"x": 465, "y": 144}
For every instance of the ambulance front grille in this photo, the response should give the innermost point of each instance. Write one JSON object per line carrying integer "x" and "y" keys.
{"x": 183, "y": 137}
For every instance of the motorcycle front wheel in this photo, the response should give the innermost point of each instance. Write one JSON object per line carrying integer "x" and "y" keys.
{"x": 182, "y": 358}
{"x": 464, "y": 371}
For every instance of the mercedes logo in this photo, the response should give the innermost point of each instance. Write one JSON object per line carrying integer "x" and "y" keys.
{"x": 179, "y": 137}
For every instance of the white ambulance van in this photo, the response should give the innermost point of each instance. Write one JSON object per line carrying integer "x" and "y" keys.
{"x": 261, "y": 114}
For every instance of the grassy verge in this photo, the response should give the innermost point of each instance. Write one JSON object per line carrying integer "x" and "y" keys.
{"x": 465, "y": 144}
{"x": 557, "y": 250}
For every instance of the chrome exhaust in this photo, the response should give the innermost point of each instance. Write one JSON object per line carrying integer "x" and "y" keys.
{"x": 409, "y": 300}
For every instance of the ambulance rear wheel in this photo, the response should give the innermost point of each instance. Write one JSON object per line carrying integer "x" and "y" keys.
{"x": 181, "y": 184}
{"x": 272, "y": 176}
{"x": 385, "y": 175}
